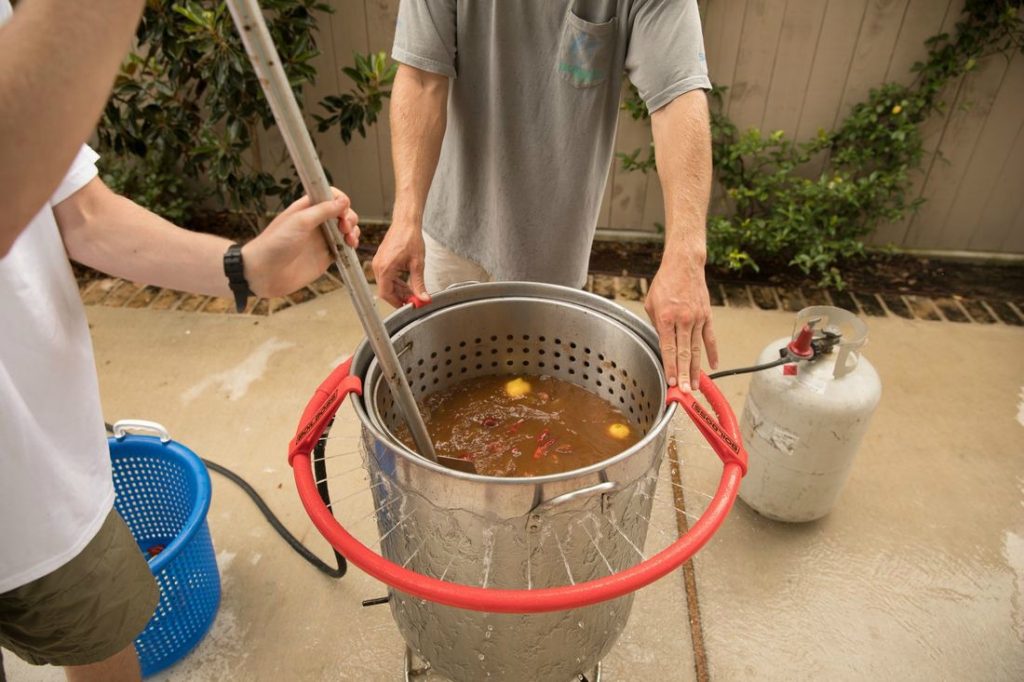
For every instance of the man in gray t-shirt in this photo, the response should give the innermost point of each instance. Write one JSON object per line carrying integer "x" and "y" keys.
{"x": 503, "y": 120}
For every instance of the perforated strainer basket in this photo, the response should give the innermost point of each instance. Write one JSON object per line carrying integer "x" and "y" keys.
{"x": 486, "y": 569}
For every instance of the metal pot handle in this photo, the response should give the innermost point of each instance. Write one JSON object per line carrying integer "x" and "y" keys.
{"x": 417, "y": 302}
{"x": 533, "y": 522}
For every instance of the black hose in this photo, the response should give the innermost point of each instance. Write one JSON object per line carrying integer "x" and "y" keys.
{"x": 754, "y": 368}
{"x": 271, "y": 518}
{"x": 292, "y": 541}
{"x": 320, "y": 472}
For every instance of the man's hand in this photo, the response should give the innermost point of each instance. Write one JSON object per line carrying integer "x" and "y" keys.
{"x": 401, "y": 252}
{"x": 291, "y": 252}
{"x": 678, "y": 305}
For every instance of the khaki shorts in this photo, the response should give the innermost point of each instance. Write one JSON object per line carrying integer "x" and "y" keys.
{"x": 443, "y": 267}
{"x": 88, "y": 609}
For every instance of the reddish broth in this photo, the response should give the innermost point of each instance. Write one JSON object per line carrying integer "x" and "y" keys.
{"x": 552, "y": 427}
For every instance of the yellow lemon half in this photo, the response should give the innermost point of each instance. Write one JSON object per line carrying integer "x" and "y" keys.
{"x": 517, "y": 388}
{"x": 619, "y": 431}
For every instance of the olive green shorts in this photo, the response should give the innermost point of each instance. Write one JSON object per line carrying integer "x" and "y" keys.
{"x": 88, "y": 609}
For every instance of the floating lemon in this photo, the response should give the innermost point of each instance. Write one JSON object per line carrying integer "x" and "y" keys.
{"x": 517, "y": 388}
{"x": 619, "y": 431}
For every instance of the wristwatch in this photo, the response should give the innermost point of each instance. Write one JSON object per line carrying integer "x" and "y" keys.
{"x": 234, "y": 268}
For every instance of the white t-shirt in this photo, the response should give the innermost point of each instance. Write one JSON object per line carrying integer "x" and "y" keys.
{"x": 55, "y": 478}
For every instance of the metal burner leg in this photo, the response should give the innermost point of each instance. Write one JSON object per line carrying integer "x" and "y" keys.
{"x": 415, "y": 667}
{"x": 592, "y": 676}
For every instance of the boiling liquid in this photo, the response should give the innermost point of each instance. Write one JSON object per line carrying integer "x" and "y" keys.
{"x": 527, "y": 426}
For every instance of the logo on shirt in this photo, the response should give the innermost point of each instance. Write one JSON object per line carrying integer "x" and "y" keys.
{"x": 580, "y": 59}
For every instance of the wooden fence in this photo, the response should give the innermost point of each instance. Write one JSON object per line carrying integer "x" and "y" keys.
{"x": 792, "y": 65}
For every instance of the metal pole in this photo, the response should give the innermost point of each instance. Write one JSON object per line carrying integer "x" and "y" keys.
{"x": 265, "y": 60}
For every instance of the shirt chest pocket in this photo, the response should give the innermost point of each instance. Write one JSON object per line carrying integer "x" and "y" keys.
{"x": 586, "y": 51}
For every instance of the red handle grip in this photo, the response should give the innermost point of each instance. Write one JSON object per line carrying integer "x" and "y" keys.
{"x": 322, "y": 407}
{"x": 722, "y": 434}
{"x": 416, "y": 302}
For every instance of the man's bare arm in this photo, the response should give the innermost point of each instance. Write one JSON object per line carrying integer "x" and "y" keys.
{"x": 419, "y": 109}
{"x": 678, "y": 301}
{"x": 58, "y": 60}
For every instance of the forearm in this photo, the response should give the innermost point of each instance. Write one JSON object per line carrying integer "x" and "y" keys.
{"x": 114, "y": 235}
{"x": 682, "y": 142}
{"x": 57, "y": 63}
{"x": 419, "y": 106}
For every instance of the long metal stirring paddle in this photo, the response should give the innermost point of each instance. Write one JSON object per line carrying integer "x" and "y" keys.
{"x": 267, "y": 63}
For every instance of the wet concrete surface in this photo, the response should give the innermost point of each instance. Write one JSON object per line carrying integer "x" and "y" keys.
{"x": 918, "y": 573}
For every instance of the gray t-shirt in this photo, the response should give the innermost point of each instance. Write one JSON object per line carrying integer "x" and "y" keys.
{"x": 532, "y": 111}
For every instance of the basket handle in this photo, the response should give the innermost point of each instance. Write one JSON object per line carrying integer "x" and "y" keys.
{"x": 120, "y": 428}
{"x": 417, "y": 302}
{"x": 322, "y": 407}
{"x": 723, "y": 437}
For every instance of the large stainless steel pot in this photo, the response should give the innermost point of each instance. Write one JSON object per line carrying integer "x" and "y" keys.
{"x": 515, "y": 533}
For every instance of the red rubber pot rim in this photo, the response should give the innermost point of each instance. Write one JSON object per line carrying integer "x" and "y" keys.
{"x": 722, "y": 434}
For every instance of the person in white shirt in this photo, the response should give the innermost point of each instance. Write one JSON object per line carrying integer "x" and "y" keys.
{"x": 74, "y": 589}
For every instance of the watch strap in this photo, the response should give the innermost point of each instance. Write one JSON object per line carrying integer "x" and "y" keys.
{"x": 234, "y": 269}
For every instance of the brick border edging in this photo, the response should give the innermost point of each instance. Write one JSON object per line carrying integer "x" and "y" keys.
{"x": 118, "y": 293}
{"x": 950, "y": 308}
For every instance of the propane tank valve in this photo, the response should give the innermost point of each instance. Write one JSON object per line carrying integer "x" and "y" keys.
{"x": 810, "y": 344}
{"x": 801, "y": 347}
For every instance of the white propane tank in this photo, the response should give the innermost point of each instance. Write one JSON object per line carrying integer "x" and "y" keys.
{"x": 803, "y": 421}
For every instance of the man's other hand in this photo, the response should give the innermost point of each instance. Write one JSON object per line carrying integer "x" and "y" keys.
{"x": 680, "y": 309}
{"x": 401, "y": 253}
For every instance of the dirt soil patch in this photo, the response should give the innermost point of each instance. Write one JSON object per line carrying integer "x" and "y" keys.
{"x": 877, "y": 273}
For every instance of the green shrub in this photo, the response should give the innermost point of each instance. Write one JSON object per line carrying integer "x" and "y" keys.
{"x": 351, "y": 111}
{"x": 180, "y": 130}
{"x": 781, "y": 210}
{"x": 781, "y": 213}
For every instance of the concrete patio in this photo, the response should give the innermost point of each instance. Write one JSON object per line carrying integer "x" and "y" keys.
{"x": 918, "y": 574}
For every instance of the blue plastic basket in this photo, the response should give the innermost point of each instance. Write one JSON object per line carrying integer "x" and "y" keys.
{"x": 163, "y": 494}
